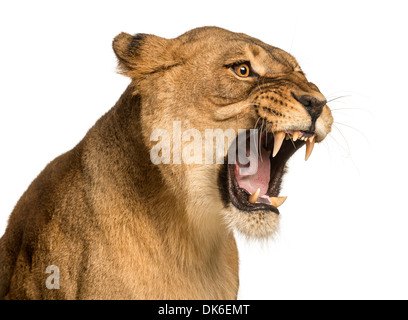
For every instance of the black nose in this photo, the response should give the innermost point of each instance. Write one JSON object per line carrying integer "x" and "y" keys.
{"x": 313, "y": 105}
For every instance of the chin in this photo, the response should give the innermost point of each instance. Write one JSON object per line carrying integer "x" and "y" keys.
{"x": 260, "y": 224}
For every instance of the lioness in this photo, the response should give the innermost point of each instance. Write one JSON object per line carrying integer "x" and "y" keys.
{"x": 116, "y": 225}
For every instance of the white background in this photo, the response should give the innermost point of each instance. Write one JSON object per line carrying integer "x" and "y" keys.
{"x": 344, "y": 226}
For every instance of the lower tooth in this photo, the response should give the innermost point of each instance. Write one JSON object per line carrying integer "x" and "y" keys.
{"x": 277, "y": 201}
{"x": 254, "y": 196}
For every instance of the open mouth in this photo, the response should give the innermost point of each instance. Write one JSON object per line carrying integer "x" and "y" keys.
{"x": 260, "y": 190}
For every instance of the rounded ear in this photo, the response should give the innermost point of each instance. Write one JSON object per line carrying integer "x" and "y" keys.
{"x": 143, "y": 54}
{"x": 121, "y": 45}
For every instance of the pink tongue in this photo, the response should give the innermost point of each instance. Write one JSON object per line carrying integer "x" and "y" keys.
{"x": 258, "y": 180}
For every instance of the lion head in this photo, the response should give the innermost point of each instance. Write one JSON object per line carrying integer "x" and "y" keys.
{"x": 211, "y": 79}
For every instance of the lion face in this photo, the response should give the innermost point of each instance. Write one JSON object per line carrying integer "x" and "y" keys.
{"x": 213, "y": 79}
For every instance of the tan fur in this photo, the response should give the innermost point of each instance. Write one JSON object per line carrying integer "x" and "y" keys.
{"x": 120, "y": 227}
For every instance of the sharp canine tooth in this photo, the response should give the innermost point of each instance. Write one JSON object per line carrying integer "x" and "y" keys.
{"x": 295, "y": 135}
{"x": 277, "y": 201}
{"x": 309, "y": 147}
{"x": 279, "y": 137}
{"x": 254, "y": 196}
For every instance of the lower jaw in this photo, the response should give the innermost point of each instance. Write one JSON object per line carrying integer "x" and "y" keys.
{"x": 239, "y": 197}
{"x": 232, "y": 193}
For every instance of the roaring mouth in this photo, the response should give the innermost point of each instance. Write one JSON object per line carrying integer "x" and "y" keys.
{"x": 260, "y": 191}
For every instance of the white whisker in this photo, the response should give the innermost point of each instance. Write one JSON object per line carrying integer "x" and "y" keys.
{"x": 351, "y": 127}
{"x": 336, "y": 98}
{"x": 344, "y": 139}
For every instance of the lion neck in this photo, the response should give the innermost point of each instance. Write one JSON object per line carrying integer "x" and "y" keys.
{"x": 190, "y": 231}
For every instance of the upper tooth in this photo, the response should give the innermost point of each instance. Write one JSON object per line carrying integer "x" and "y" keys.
{"x": 254, "y": 196}
{"x": 279, "y": 137}
{"x": 309, "y": 147}
{"x": 277, "y": 201}
{"x": 295, "y": 135}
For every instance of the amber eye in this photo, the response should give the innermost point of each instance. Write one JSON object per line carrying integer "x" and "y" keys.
{"x": 242, "y": 70}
